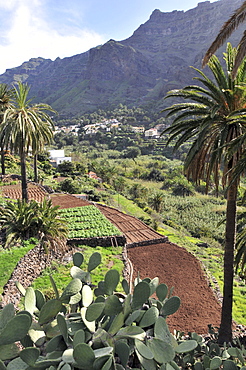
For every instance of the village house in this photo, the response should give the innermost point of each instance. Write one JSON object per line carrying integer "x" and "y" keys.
{"x": 58, "y": 156}
{"x": 138, "y": 130}
{"x": 152, "y": 133}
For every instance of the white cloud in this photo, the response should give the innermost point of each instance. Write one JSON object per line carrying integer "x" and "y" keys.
{"x": 30, "y": 36}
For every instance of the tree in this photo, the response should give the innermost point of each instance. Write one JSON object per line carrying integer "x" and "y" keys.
{"x": 66, "y": 168}
{"x": 71, "y": 186}
{"x": 23, "y": 220}
{"x": 227, "y": 29}
{"x": 156, "y": 200}
{"x": 51, "y": 229}
{"x": 212, "y": 119}
{"x": 26, "y": 128}
{"x": 131, "y": 152}
{"x": 5, "y": 95}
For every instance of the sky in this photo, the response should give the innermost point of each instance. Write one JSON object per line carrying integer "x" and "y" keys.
{"x": 63, "y": 28}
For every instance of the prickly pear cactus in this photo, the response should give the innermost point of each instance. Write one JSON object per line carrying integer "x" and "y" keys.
{"x": 94, "y": 328}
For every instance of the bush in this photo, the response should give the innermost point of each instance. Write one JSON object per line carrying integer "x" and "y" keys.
{"x": 70, "y": 186}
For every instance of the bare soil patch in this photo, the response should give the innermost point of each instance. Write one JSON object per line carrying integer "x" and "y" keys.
{"x": 134, "y": 230}
{"x": 67, "y": 200}
{"x": 35, "y": 192}
{"x": 179, "y": 269}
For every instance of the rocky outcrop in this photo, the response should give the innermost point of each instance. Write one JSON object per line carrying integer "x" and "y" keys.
{"x": 136, "y": 71}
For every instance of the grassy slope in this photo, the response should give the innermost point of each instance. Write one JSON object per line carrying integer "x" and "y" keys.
{"x": 8, "y": 261}
{"x": 111, "y": 258}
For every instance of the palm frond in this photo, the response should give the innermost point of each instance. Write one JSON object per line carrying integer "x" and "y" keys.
{"x": 229, "y": 26}
{"x": 241, "y": 52}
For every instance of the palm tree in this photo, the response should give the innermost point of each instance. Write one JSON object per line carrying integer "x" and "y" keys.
{"x": 212, "y": 119}
{"x": 26, "y": 128}
{"x": 227, "y": 29}
{"x": 156, "y": 201}
{"x": 5, "y": 95}
{"x": 22, "y": 220}
{"x": 51, "y": 229}
{"x": 17, "y": 220}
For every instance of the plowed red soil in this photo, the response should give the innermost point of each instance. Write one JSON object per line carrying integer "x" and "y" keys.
{"x": 67, "y": 201}
{"x": 34, "y": 192}
{"x": 179, "y": 269}
{"x": 134, "y": 230}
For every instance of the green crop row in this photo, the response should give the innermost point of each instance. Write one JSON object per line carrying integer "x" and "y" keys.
{"x": 91, "y": 233}
{"x": 88, "y": 222}
{"x": 86, "y": 210}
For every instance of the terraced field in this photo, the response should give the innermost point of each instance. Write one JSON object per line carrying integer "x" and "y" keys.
{"x": 152, "y": 255}
{"x": 134, "y": 230}
{"x": 14, "y": 192}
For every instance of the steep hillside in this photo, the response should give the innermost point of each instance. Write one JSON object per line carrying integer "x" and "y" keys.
{"x": 135, "y": 71}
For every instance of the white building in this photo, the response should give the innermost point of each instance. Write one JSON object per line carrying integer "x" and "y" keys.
{"x": 152, "y": 133}
{"x": 58, "y": 156}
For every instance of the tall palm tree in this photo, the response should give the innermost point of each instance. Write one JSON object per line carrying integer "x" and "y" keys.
{"x": 5, "y": 96}
{"x": 227, "y": 29}
{"x": 212, "y": 119}
{"x": 26, "y": 128}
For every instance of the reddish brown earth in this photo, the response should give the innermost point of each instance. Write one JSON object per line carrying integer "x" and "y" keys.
{"x": 134, "y": 230}
{"x": 34, "y": 192}
{"x": 179, "y": 269}
{"x": 67, "y": 200}
{"x": 172, "y": 264}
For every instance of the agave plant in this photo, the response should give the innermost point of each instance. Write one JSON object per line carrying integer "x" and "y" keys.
{"x": 51, "y": 228}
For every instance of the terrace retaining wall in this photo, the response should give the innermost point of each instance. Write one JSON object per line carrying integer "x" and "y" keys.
{"x": 106, "y": 241}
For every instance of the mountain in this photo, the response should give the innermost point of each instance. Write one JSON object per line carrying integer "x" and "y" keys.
{"x": 136, "y": 71}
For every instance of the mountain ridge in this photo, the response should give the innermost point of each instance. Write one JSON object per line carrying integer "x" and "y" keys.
{"x": 136, "y": 71}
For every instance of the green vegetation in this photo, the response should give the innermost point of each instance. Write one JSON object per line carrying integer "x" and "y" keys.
{"x": 217, "y": 142}
{"x": 94, "y": 327}
{"x": 111, "y": 257}
{"x": 202, "y": 216}
{"x": 88, "y": 222}
{"x": 22, "y": 220}
{"x": 9, "y": 259}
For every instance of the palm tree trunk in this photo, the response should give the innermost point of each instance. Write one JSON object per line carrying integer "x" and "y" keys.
{"x": 225, "y": 331}
{"x": 2, "y": 160}
{"x": 23, "y": 176}
{"x": 35, "y": 168}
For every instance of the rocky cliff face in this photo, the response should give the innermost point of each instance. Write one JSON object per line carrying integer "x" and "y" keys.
{"x": 135, "y": 71}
